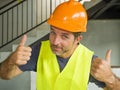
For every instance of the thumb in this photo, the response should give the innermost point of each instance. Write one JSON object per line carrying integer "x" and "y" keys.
{"x": 107, "y": 57}
{"x": 23, "y": 40}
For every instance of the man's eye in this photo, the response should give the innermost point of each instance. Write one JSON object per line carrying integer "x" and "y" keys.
{"x": 52, "y": 32}
{"x": 65, "y": 37}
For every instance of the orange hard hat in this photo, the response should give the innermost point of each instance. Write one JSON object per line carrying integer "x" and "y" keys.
{"x": 70, "y": 16}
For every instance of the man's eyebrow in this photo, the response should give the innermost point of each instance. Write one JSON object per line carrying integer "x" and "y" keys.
{"x": 51, "y": 28}
{"x": 65, "y": 33}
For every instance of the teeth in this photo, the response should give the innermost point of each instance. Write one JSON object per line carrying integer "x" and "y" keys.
{"x": 83, "y": 1}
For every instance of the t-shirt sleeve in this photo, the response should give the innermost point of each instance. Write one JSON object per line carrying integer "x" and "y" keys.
{"x": 96, "y": 82}
{"x": 32, "y": 63}
{"x": 93, "y": 80}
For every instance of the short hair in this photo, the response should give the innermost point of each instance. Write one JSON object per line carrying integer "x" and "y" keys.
{"x": 76, "y": 34}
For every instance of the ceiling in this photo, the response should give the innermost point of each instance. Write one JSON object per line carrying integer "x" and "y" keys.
{"x": 105, "y": 9}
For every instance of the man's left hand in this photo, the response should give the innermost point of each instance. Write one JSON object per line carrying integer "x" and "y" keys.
{"x": 101, "y": 69}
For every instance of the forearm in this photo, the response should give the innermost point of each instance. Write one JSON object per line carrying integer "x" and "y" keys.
{"x": 10, "y": 67}
{"x": 7, "y": 69}
{"x": 114, "y": 84}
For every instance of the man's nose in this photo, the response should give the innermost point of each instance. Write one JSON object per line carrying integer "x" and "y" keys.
{"x": 57, "y": 40}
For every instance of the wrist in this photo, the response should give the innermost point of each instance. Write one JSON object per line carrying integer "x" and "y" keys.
{"x": 10, "y": 60}
{"x": 111, "y": 82}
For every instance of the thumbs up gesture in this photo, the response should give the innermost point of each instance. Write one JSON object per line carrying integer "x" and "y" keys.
{"x": 101, "y": 69}
{"x": 22, "y": 53}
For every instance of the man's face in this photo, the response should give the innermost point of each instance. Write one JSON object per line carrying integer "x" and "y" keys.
{"x": 62, "y": 42}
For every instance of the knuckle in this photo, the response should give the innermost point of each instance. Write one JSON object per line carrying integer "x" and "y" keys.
{"x": 29, "y": 53}
{"x": 17, "y": 62}
{"x": 28, "y": 58}
{"x": 25, "y": 62}
{"x": 29, "y": 49}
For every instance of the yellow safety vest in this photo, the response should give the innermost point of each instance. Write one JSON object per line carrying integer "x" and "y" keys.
{"x": 74, "y": 76}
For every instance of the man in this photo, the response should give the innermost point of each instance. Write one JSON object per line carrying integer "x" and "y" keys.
{"x": 62, "y": 62}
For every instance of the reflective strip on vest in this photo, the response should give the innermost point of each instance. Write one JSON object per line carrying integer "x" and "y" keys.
{"x": 74, "y": 76}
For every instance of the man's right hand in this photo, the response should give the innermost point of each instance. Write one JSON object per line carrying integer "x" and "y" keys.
{"x": 22, "y": 53}
{"x": 9, "y": 67}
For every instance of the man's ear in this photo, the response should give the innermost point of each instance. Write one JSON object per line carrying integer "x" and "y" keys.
{"x": 79, "y": 38}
